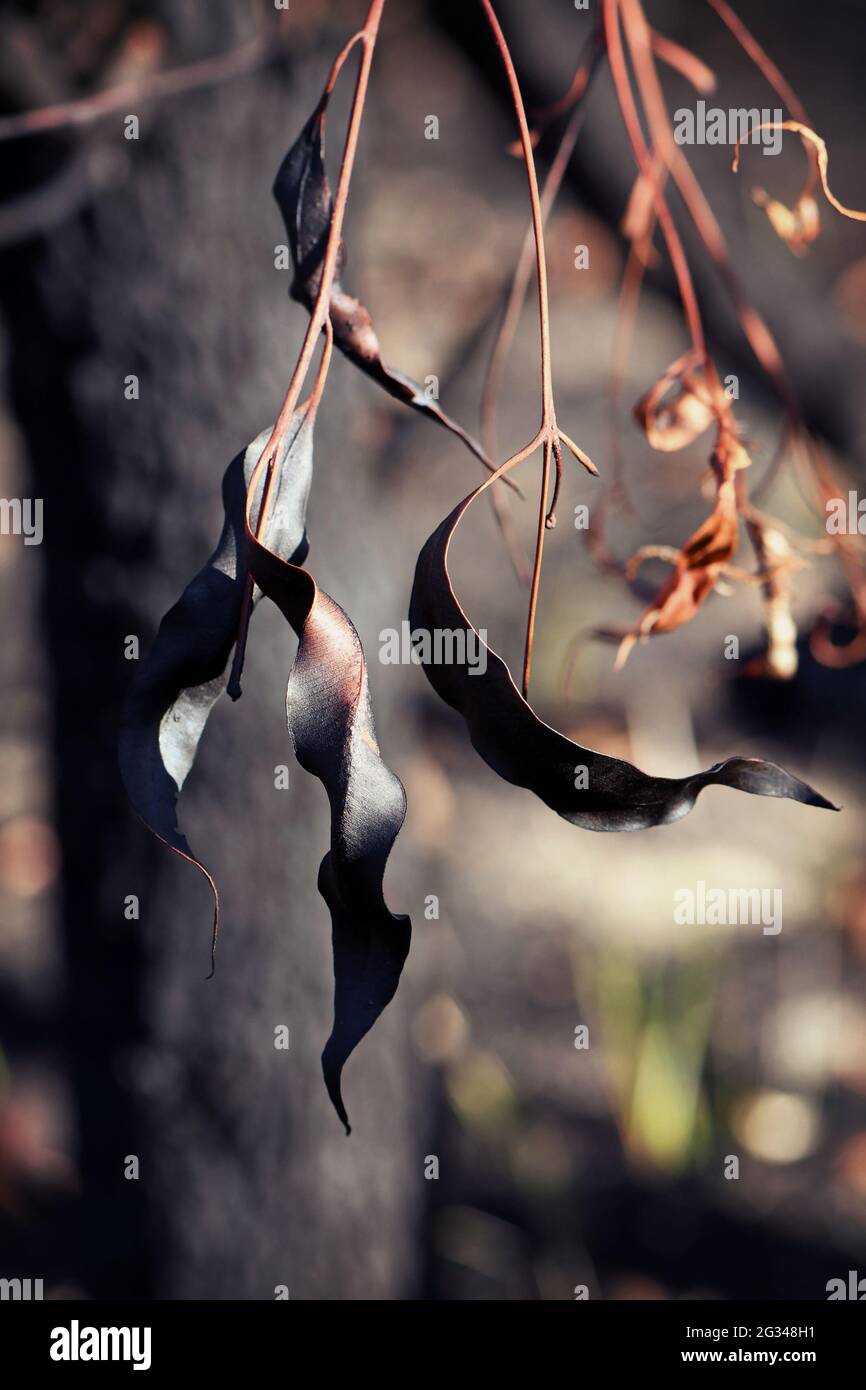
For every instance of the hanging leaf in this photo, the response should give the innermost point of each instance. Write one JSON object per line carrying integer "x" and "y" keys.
{"x": 588, "y": 789}
{"x": 703, "y": 560}
{"x": 180, "y": 680}
{"x": 330, "y": 722}
{"x": 303, "y": 194}
{"x": 800, "y": 225}
{"x": 697, "y": 569}
{"x": 676, "y": 409}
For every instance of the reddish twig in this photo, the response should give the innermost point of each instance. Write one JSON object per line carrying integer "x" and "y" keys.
{"x": 646, "y": 165}
{"x": 547, "y": 431}
{"x": 321, "y": 309}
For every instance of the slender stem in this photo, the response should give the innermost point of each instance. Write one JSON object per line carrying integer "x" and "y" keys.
{"x": 321, "y": 309}
{"x": 575, "y": 98}
{"x": 758, "y": 335}
{"x": 684, "y": 62}
{"x": 550, "y": 519}
{"x": 309, "y": 407}
{"x": 761, "y": 59}
{"x": 548, "y": 412}
{"x": 578, "y": 93}
{"x": 85, "y": 110}
{"x": 752, "y": 323}
{"x": 754, "y": 326}
{"x": 506, "y": 467}
{"x": 536, "y": 572}
{"x": 547, "y": 429}
{"x": 646, "y": 165}
{"x": 337, "y": 65}
{"x": 575, "y": 93}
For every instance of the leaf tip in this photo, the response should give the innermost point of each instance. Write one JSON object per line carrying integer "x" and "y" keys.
{"x": 332, "y": 1070}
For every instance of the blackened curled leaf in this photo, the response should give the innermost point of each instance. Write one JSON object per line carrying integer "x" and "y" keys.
{"x": 588, "y": 789}
{"x": 330, "y": 721}
{"x": 303, "y": 195}
{"x": 183, "y": 675}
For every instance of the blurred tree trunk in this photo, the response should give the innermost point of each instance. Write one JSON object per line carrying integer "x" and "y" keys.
{"x": 247, "y": 1181}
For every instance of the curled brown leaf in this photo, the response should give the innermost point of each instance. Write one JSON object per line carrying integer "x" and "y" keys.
{"x": 701, "y": 562}
{"x": 800, "y": 225}
{"x": 677, "y": 409}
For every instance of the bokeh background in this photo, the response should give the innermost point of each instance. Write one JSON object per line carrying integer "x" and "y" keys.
{"x": 556, "y": 1167}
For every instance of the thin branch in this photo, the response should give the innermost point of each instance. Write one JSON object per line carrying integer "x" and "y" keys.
{"x": 574, "y": 98}
{"x": 646, "y": 165}
{"x": 320, "y": 315}
{"x": 548, "y": 412}
{"x": 760, "y": 58}
{"x": 208, "y": 72}
{"x": 547, "y": 429}
{"x": 578, "y": 92}
{"x": 536, "y": 572}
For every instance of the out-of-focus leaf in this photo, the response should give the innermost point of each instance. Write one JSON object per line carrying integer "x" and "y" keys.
{"x": 675, "y": 411}
{"x": 778, "y": 563}
{"x": 178, "y": 683}
{"x": 798, "y": 227}
{"x": 330, "y": 722}
{"x": 303, "y": 194}
{"x": 586, "y": 788}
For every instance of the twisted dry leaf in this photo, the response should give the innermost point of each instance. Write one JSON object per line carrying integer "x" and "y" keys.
{"x": 178, "y": 683}
{"x": 589, "y": 789}
{"x": 676, "y": 410}
{"x": 702, "y": 561}
{"x": 330, "y": 722}
{"x": 303, "y": 194}
{"x": 799, "y": 226}
{"x": 698, "y": 566}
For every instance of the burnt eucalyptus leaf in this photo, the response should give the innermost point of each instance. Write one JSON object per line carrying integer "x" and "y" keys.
{"x": 330, "y": 721}
{"x": 303, "y": 194}
{"x": 522, "y": 749}
{"x": 183, "y": 675}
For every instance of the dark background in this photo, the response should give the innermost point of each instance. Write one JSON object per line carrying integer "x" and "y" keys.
{"x": 556, "y": 1167}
